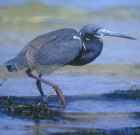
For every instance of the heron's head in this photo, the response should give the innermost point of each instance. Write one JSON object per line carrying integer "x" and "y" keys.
{"x": 91, "y": 31}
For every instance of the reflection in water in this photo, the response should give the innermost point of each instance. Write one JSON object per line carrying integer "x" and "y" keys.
{"x": 36, "y": 130}
{"x": 105, "y": 112}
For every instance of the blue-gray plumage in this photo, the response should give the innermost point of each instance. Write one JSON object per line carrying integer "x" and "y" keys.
{"x": 55, "y": 49}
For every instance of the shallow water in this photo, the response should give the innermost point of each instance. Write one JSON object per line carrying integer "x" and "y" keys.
{"x": 116, "y": 69}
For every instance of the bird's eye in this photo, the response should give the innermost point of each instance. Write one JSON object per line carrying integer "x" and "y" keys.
{"x": 88, "y": 37}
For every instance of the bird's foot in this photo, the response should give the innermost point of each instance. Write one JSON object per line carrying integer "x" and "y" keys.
{"x": 43, "y": 101}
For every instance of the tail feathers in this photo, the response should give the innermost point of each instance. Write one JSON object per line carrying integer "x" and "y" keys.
{"x": 10, "y": 72}
{"x": 11, "y": 68}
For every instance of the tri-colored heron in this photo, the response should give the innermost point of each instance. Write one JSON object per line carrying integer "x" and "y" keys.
{"x": 55, "y": 49}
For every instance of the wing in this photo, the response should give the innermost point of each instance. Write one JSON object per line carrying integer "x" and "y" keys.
{"x": 59, "y": 49}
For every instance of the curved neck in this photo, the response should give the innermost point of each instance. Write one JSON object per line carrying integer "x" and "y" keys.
{"x": 93, "y": 49}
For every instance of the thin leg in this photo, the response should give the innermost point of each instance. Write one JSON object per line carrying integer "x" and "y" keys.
{"x": 39, "y": 86}
{"x": 54, "y": 86}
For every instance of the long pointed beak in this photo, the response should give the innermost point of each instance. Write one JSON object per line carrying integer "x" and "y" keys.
{"x": 105, "y": 32}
